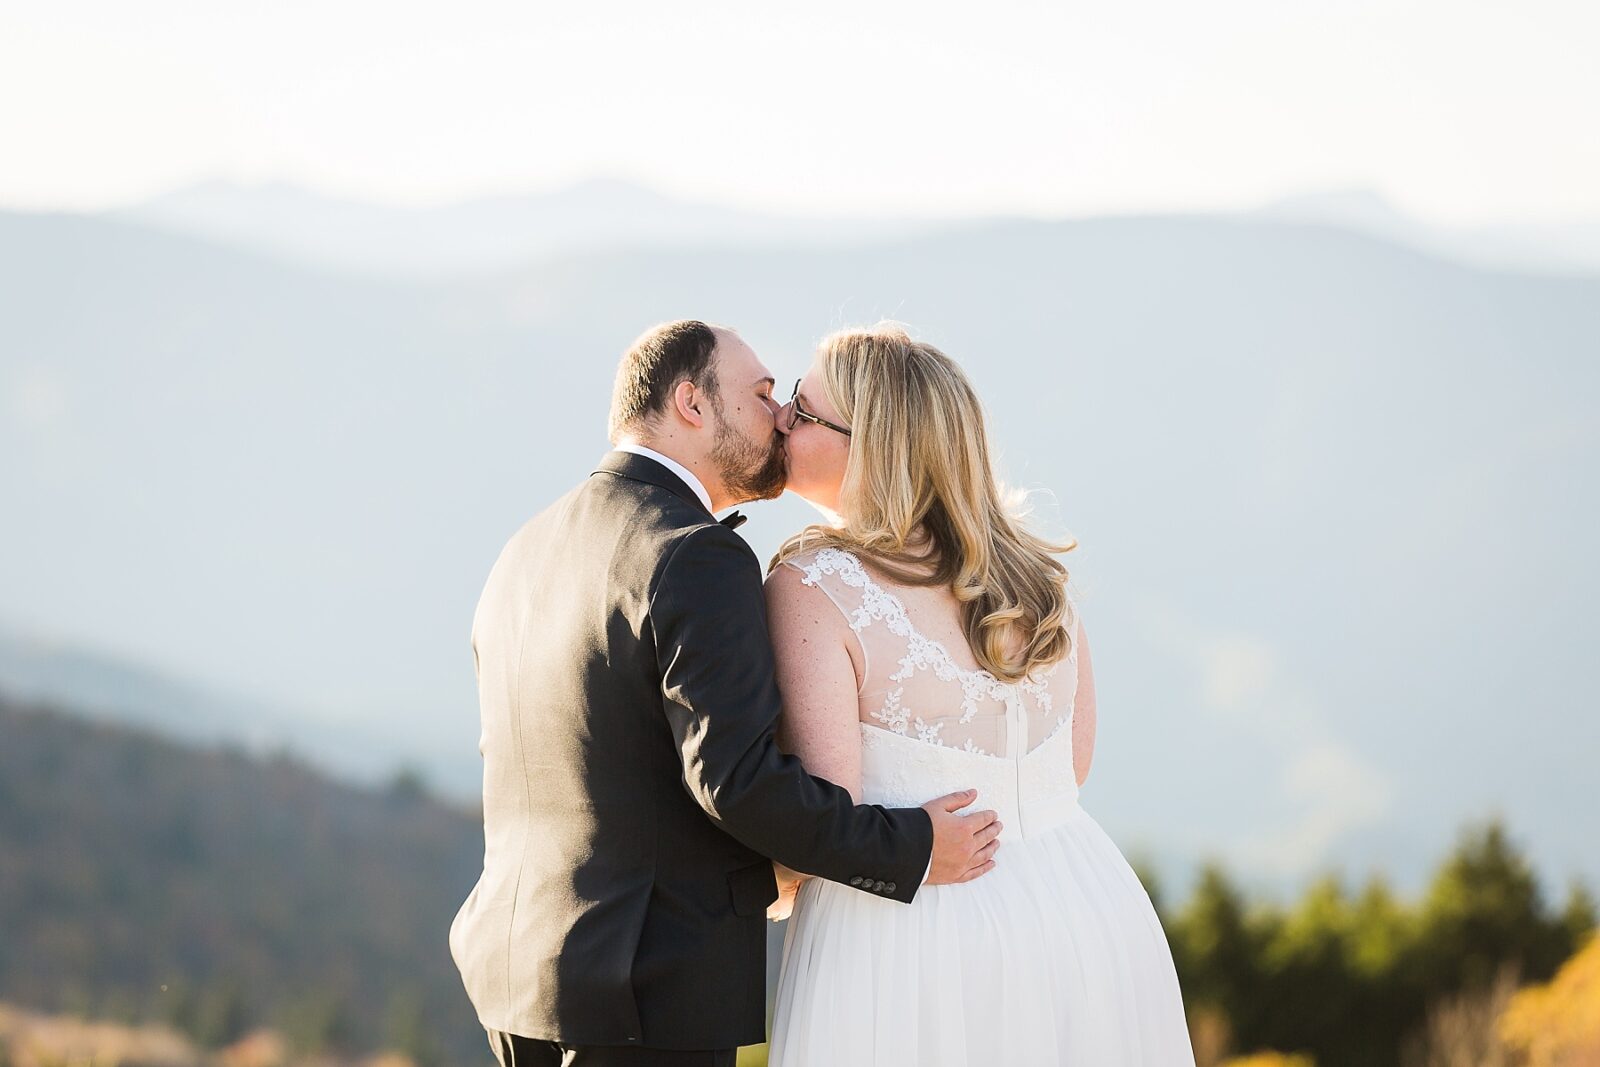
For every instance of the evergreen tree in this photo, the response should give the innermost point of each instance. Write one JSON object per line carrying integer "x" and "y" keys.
{"x": 1381, "y": 958}
{"x": 1217, "y": 948}
{"x": 1145, "y": 871}
{"x": 1484, "y": 911}
{"x": 1578, "y": 918}
{"x": 1307, "y": 972}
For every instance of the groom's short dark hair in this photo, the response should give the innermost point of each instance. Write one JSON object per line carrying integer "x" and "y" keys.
{"x": 654, "y": 365}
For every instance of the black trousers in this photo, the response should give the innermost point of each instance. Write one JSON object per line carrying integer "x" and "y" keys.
{"x": 514, "y": 1050}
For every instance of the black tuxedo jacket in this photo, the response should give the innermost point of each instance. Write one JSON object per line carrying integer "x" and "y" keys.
{"x": 633, "y": 790}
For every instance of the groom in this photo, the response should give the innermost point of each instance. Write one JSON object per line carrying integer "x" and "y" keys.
{"x": 633, "y": 791}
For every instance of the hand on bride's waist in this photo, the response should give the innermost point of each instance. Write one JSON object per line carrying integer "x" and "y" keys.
{"x": 788, "y": 885}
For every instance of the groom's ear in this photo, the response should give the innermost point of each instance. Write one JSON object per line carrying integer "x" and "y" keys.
{"x": 688, "y": 403}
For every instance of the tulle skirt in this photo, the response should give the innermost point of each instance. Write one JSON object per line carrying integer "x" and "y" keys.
{"x": 1054, "y": 957}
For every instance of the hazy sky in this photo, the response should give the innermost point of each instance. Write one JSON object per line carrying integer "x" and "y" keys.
{"x": 1460, "y": 111}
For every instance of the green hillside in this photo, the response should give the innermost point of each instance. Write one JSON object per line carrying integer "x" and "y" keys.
{"x": 143, "y": 880}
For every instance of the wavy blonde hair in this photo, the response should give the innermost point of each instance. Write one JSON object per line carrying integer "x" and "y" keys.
{"x": 919, "y": 471}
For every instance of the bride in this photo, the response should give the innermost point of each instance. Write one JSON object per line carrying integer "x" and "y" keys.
{"x": 926, "y": 642}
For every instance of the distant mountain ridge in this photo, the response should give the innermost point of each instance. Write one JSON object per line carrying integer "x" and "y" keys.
{"x": 482, "y": 235}
{"x": 476, "y": 236}
{"x": 1565, "y": 248}
{"x": 1331, "y": 491}
{"x": 95, "y": 684}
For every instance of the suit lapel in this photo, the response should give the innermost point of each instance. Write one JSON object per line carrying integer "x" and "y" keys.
{"x": 644, "y": 469}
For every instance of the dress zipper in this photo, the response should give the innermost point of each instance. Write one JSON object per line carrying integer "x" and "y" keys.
{"x": 1019, "y": 749}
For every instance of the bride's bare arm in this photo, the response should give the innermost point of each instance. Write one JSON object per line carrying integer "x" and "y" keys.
{"x": 818, "y": 677}
{"x": 1083, "y": 712}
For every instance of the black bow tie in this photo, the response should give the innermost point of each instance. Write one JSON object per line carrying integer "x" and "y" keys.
{"x": 733, "y": 521}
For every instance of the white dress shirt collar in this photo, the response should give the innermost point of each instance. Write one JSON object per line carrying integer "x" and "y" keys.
{"x": 675, "y": 467}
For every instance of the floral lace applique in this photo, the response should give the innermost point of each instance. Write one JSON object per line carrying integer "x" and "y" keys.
{"x": 892, "y": 714}
{"x": 923, "y": 654}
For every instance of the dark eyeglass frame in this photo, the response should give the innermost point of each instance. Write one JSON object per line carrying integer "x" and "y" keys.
{"x": 798, "y": 412}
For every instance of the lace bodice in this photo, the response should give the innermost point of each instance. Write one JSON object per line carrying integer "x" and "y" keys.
{"x": 927, "y": 722}
{"x": 912, "y": 684}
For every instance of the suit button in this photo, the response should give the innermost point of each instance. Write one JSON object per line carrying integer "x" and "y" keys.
{"x": 856, "y": 880}
{"x": 877, "y": 886}
{"x": 889, "y": 888}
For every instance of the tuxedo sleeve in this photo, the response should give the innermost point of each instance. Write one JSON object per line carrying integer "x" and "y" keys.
{"x": 721, "y": 701}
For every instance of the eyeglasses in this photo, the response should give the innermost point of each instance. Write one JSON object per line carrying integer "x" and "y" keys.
{"x": 798, "y": 412}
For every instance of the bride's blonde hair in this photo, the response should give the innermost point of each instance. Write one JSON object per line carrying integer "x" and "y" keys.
{"x": 919, "y": 468}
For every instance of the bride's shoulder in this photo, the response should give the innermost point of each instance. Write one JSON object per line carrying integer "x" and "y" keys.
{"x": 820, "y": 566}
{"x": 807, "y": 598}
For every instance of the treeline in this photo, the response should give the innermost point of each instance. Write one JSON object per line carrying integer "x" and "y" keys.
{"x": 1360, "y": 979}
{"x": 144, "y": 881}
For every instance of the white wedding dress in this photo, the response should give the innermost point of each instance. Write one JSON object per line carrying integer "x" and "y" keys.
{"x": 1054, "y": 957}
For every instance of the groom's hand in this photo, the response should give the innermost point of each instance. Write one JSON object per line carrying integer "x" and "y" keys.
{"x": 963, "y": 845}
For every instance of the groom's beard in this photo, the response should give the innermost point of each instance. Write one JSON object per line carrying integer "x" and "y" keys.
{"x": 749, "y": 472}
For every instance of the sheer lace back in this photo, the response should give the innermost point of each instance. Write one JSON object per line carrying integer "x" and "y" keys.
{"x": 914, "y": 687}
